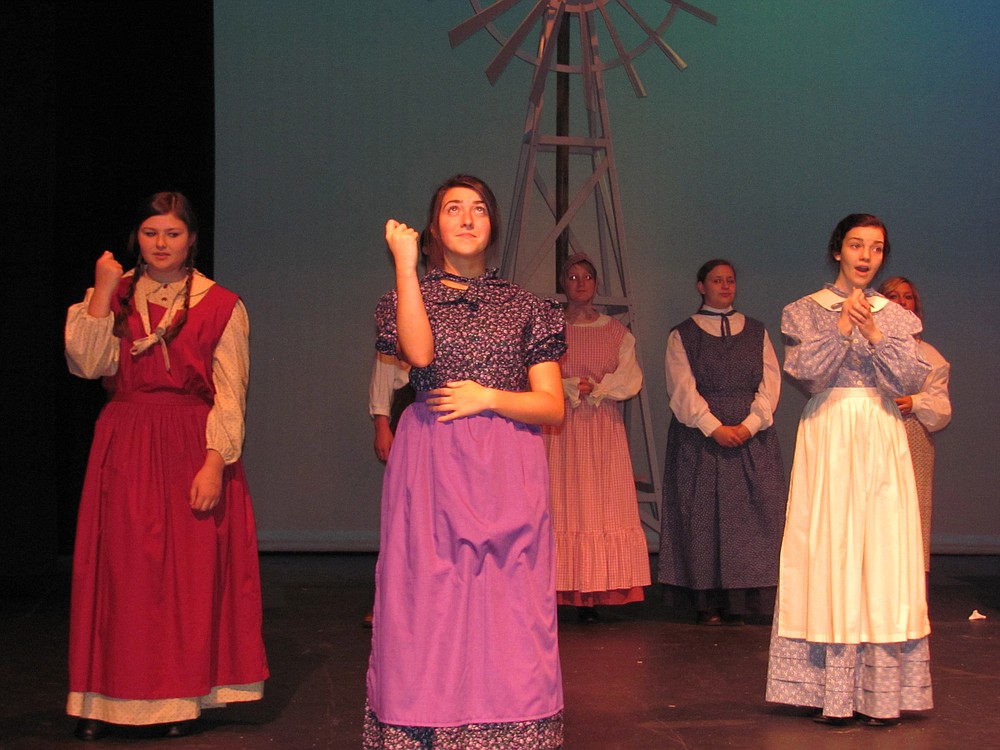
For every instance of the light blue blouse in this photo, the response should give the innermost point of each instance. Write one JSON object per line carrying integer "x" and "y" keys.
{"x": 819, "y": 357}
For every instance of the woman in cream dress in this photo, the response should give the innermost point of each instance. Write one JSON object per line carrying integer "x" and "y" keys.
{"x": 851, "y": 627}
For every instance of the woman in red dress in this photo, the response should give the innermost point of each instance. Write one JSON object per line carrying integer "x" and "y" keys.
{"x": 166, "y": 610}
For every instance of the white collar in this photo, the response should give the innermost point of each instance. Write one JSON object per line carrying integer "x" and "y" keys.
{"x": 830, "y": 298}
{"x": 146, "y": 285}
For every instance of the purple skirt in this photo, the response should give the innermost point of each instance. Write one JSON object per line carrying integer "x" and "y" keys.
{"x": 465, "y": 610}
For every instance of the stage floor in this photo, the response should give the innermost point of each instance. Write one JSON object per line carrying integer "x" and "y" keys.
{"x": 643, "y": 678}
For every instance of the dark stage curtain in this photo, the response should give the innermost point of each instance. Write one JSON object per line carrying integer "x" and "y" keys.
{"x": 104, "y": 103}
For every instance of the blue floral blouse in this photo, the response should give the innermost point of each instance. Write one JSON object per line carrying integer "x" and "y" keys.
{"x": 491, "y": 332}
{"x": 818, "y": 357}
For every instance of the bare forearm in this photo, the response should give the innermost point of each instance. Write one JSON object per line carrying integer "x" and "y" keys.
{"x": 543, "y": 404}
{"x": 530, "y": 407}
{"x": 383, "y": 437}
{"x": 107, "y": 273}
{"x": 415, "y": 342}
{"x": 100, "y": 303}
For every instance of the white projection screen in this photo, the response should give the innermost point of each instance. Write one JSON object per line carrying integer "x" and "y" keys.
{"x": 334, "y": 115}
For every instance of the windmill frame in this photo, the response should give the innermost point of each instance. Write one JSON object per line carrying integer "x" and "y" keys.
{"x": 534, "y": 204}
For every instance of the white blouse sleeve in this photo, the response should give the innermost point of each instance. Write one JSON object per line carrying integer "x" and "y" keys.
{"x": 932, "y": 405}
{"x": 92, "y": 349}
{"x": 388, "y": 376}
{"x": 625, "y": 381}
{"x": 688, "y": 406}
{"x": 571, "y": 391}
{"x": 231, "y": 374}
{"x": 765, "y": 401}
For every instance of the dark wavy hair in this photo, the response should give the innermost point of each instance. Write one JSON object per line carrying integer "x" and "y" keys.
{"x": 848, "y": 223}
{"x": 159, "y": 204}
{"x": 476, "y": 185}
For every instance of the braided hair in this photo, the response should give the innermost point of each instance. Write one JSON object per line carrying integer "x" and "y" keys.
{"x": 159, "y": 204}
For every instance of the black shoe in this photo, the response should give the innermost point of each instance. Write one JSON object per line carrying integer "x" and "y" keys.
{"x": 90, "y": 729}
{"x": 871, "y": 721}
{"x": 709, "y": 618}
{"x": 587, "y": 615}
{"x": 732, "y": 620}
{"x": 178, "y": 729}
{"x": 833, "y": 721}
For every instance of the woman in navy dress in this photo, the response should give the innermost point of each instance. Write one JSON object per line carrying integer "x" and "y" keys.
{"x": 724, "y": 483}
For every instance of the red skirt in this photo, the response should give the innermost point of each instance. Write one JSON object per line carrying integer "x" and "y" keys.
{"x": 166, "y": 600}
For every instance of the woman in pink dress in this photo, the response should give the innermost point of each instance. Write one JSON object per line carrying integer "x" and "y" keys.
{"x": 165, "y": 616}
{"x": 601, "y": 552}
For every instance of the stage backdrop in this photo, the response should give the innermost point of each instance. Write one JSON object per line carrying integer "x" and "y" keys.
{"x": 334, "y": 116}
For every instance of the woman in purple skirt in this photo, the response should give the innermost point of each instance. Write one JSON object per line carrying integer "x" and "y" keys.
{"x": 464, "y": 649}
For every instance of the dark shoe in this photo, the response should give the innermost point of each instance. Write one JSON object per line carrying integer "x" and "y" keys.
{"x": 871, "y": 721}
{"x": 709, "y": 618}
{"x": 732, "y": 620}
{"x": 90, "y": 729}
{"x": 587, "y": 615}
{"x": 178, "y": 729}
{"x": 833, "y": 721}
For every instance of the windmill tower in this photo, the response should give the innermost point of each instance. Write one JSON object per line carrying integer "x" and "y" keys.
{"x": 581, "y": 209}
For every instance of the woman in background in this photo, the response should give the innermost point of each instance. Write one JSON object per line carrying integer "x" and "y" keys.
{"x": 601, "y": 552}
{"x": 166, "y": 608}
{"x": 724, "y": 483}
{"x": 924, "y": 412}
{"x": 851, "y": 627}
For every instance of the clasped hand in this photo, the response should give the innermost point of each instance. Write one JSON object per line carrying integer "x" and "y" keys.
{"x": 857, "y": 311}
{"x": 731, "y": 436}
{"x": 459, "y": 398}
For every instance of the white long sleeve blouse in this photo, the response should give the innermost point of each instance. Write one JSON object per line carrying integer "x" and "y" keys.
{"x": 620, "y": 385}
{"x": 931, "y": 404}
{"x": 389, "y": 374}
{"x": 92, "y": 351}
{"x": 690, "y": 408}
